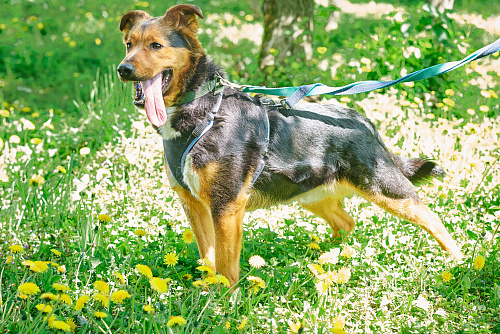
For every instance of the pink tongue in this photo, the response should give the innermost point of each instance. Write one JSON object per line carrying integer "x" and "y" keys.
{"x": 154, "y": 105}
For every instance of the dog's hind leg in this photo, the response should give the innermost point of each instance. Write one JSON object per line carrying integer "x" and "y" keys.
{"x": 201, "y": 222}
{"x": 331, "y": 210}
{"x": 399, "y": 198}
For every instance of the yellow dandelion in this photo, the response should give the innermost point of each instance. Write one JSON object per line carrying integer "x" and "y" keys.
{"x": 62, "y": 325}
{"x": 97, "y": 41}
{"x": 242, "y": 324}
{"x": 486, "y": 94}
{"x": 120, "y": 277}
{"x": 187, "y": 236}
{"x": 65, "y": 298}
{"x": 50, "y": 320}
{"x": 256, "y": 283}
{"x": 148, "y": 308}
{"x": 16, "y": 249}
{"x": 211, "y": 280}
{"x": 45, "y": 308}
{"x": 23, "y": 296}
{"x": 322, "y": 286}
{"x": 35, "y": 141}
{"x": 140, "y": 232}
{"x": 48, "y": 296}
{"x": 227, "y": 325}
{"x": 176, "y": 321}
{"x": 72, "y": 325}
{"x": 56, "y": 252}
{"x": 36, "y": 180}
{"x": 61, "y": 169}
{"x": 28, "y": 288}
{"x": 256, "y": 261}
{"x": 493, "y": 94}
{"x": 313, "y": 245}
{"x": 102, "y": 287}
{"x": 338, "y": 324}
{"x": 343, "y": 275}
{"x": 170, "y": 259}
{"x": 104, "y": 218}
{"x": 449, "y": 102}
{"x": 159, "y": 284}
{"x": 119, "y": 296}
{"x": 347, "y": 252}
{"x": 200, "y": 283}
{"x": 187, "y": 277}
{"x": 479, "y": 262}
{"x": 449, "y": 92}
{"x": 144, "y": 270}
{"x": 103, "y": 299}
{"x": 41, "y": 266}
{"x": 81, "y": 301}
{"x": 60, "y": 287}
{"x": 294, "y": 326}
{"x": 321, "y": 49}
{"x": 100, "y": 315}
{"x": 446, "y": 276}
{"x": 206, "y": 269}
{"x": 223, "y": 280}
{"x": 315, "y": 269}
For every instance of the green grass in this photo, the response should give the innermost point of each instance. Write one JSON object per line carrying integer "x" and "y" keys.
{"x": 75, "y": 149}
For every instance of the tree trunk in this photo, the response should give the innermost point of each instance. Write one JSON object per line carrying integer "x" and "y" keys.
{"x": 441, "y": 5}
{"x": 287, "y": 31}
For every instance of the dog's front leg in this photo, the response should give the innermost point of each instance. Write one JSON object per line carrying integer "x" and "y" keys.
{"x": 200, "y": 220}
{"x": 228, "y": 227}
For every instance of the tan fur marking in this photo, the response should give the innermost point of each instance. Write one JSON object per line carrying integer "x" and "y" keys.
{"x": 331, "y": 210}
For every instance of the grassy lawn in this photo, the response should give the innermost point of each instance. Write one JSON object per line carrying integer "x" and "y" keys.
{"x": 93, "y": 240}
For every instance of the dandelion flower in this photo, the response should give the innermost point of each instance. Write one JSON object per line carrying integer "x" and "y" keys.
{"x": 227, "y": 325}
{"x": 61, "y": 169}
{"x": 100, "y": 315}
{"x": 159, "y": 284}
{"x": 176, "y": 321}
{"x": 347, "y": 252}
{"x": 338, "y": 324}
{"x": 170, "y": 259}
{"x": 343, "y": 275}
{"x": 56, "y": 252}
{"x": 148, "y": 308}
{"x": 256, "y": 261}
{"x": 60, "y": 287}
{"x": 243, "y": 323}
{"x": 187, "y": 236}
{"x": 331, "y": 257}
{"x": 101, "y": 286}
{"x": 315, "y": 269}
{"x": 200, "y": 283}
{"x": 50, "y": 320}
{"x": 144, "y": 270}
{"x": 103, "y": 299}
{"x": 120, "y": 277}
{"x": 223, "y": 280}
{"x": 62, "y": 325}
{"x": 61, "y": 269}
{"x": 256, "y": 283}
{"x": 45, "y": 308}
{"x": 72, "y": 325}
{"x": 119, "y": 296}
{"x": 140, "y": 232}
{"x": 294, "y": 326}
{"x": 49, "y": 296}
{"x": 313, "y": 245}
{"x": 206, "y": 269}
{"x": 65, "y": 298}
{"x": 16, "y": 249}
{"x": 104, "y": 218}
{"x": 479, "y": 262}
{"x": 81, "y": 301}
{"x": 23, "y": 296}
{"x": 446, "y": 276}
{"x": 187, "y": 277}
{"x": 36, "y": 180}
{"x": 28, "y": 288}
{"x": 211, "y": 280}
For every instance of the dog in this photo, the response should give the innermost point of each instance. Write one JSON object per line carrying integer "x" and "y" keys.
{"x": 228, "y": 152}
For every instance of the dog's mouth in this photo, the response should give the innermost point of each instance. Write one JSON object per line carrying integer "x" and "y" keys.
{"x": 139, "y": 98}
{"x": 149, "y": 95}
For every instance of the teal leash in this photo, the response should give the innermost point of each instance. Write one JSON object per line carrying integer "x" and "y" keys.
{"x": 295, "y": 94}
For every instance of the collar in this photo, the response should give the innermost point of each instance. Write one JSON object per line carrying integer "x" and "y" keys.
{"x": 210, "y": 86}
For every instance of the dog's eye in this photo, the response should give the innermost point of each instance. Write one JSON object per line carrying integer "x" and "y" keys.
{"x": 156, "y": 46}
{"x": 129, "y": 46}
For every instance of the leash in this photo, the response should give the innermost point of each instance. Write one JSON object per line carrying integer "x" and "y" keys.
{"x": 295, "y": 94}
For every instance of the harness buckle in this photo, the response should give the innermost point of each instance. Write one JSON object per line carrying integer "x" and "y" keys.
{"x": 284, "y": 104}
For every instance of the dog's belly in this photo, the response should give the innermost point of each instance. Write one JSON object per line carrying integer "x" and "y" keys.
{"x": 260, "y": 200}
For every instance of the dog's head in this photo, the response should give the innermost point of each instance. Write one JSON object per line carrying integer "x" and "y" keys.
{"x": 161, "y": 53}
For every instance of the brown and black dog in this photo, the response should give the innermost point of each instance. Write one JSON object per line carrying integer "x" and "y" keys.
{"x": 252, "y": 154}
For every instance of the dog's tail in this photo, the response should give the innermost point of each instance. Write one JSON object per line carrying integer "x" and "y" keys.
{"x": 417, "y": 169}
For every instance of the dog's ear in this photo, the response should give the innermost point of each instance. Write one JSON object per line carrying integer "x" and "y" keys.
{"x": 131, "y": 18}
{"x": 183, "y": 17}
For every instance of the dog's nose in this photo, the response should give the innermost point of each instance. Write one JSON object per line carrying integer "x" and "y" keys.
{"x": 125, "y": 70}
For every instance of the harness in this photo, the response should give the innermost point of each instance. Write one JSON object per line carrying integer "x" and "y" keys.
{"x": 182, "y": 145}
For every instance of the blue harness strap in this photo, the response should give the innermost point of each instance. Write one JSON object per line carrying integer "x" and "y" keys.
{"x": 296, "y": 94}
